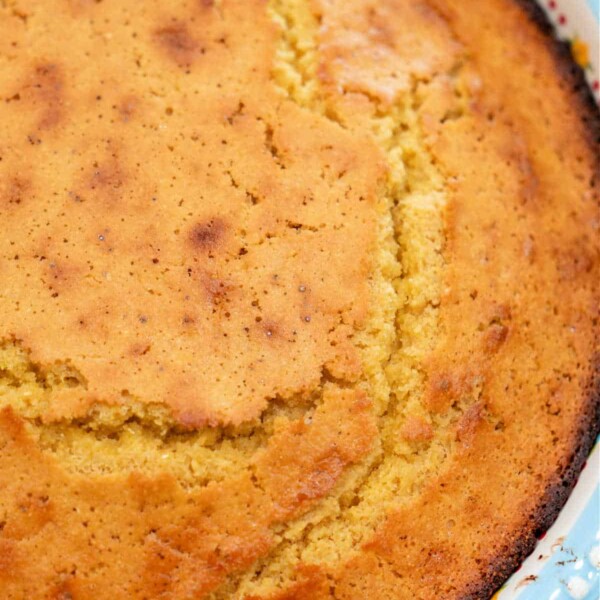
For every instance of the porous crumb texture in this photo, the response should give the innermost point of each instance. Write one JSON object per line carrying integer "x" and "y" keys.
{"x": 299, "y": 298}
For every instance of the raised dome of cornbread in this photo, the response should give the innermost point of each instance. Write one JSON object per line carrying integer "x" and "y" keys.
{"x": 299, "y": 298}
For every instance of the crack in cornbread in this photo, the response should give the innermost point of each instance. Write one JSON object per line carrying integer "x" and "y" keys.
{"x": 136, "y": 435}
{"x": 280, "y": 319}
{"x": 410, "y": 264}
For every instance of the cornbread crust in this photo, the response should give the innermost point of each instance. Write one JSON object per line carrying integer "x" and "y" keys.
{"x": 489, "y": 422}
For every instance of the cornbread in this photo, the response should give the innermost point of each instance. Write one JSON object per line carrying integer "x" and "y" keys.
{"x": 299, "y": 297}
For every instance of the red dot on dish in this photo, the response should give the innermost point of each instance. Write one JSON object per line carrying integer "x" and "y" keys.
{"x": 596, "y": 85}
{"x": 562, "y": 19}
{"x": 552, "y": 5}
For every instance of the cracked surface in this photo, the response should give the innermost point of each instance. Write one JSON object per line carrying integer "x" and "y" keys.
{"x": 295, "y": 296}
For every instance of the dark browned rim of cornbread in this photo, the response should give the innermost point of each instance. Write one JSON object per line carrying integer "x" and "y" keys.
{"x": 589, "y": 428}
{"x": 570, "y": 71}
{"x": 556, "y": 495}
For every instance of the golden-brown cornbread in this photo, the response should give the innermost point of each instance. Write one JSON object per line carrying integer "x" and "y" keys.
{"x": 299, "y": 297}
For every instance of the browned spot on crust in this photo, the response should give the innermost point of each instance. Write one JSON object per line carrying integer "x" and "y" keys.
{"x": 91, "y": 323}
{"x": 108, "y": 175}
{"x": 140, "y": 348}
{"x": 529, "y": 182}
{"x": 188, "y": 321}
{"x": 575, "y": 261}
{"x": 473, "y": 416}
{"x": 178, "y": 43}
{"x": 416, "y": 429}
{"x": 193, "y": 419}
{"x": 322, "y": 479}
{"x": 63, "y": 591}
{"x": 517, "y": 154}
{"x": 150, "y": 492}
{"x": 529, "y": 249}
{"x": 8, "y": 558}
{"x": 217, "y": 290}
{"x": 270, "y": 329}
{"x": 379, "y": 29}
{"x": 81, "y": 7}
{"x": 104, "y": 180}
{"x": 32, "y": 513}
{"x": 444, "y": 388}
{"x": 495, "y": 336}
{"x": 46, "y": 88}
{"x": 208, "y": 235}
{"x": 12, "y": 425}
{"x": 127, "y": 108}
{"x": 14, "y": 190}
{"x": 62, "y": 273}
{"x": 501, "y": 312}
